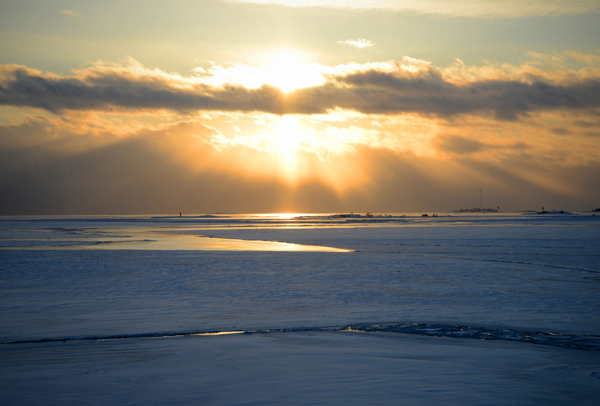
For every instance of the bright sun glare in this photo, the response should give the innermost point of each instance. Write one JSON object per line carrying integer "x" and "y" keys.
{"x": 288, "y": 71}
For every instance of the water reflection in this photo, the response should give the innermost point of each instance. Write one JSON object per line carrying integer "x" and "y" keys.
{"x": 146, "y": 238}
{"x": 219, "y": 333}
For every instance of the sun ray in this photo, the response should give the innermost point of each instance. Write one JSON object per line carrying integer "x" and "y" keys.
{"x": 288, "y": 143}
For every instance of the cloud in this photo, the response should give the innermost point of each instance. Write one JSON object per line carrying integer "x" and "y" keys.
{"x": 411, "y": 86}
{"x": 461, "y": 8}
{"x": 102, "y": 87}
{"x": 359, "y": 43}
{"x": 70, "y": 12}
{"x": 53, "y": 166}
{"x": 462, "y": 145}
{"x": 428, "y": 91}
{"x": 560, "y": 131}
{"x": 47, "y": 166}
{"x": 457, "y": 144}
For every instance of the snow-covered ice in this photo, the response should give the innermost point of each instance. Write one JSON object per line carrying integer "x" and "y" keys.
{"x": 464, "y": 309}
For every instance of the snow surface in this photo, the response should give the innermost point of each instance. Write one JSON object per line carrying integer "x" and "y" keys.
{"x": 84, "y": 302}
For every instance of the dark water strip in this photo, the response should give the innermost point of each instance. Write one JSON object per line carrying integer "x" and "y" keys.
{"x": 572, "y": 341}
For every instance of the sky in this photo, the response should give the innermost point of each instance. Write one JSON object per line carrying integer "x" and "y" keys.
{"x": 258, "y": 106}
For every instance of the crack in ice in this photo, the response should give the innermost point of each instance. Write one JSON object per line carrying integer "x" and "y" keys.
{"x": 571, "y": 341}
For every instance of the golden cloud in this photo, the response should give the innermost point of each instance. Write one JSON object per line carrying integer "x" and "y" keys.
{"x": 411, "y": 86}
{"x": 70, "y": 12}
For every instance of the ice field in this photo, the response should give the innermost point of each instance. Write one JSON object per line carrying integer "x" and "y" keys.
{"x": 458, "y": 309}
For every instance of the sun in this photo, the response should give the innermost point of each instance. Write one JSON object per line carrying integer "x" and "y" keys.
{"x": 288, "y": 70}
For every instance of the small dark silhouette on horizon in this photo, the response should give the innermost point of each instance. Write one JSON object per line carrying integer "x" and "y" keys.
{"x": 476, "y": 210}
{"x": 368, "y": 214}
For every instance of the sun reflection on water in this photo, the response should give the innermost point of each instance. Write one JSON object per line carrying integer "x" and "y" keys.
{"x": 167, "y": 239}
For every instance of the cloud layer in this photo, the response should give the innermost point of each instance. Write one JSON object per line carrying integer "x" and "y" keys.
{"x": 60, "y": 166}
{"x": 394, "y": 136}
{"x": 412, "y": 86}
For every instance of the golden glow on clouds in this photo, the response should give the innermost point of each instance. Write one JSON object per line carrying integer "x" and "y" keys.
{"x": 344, "y": 151}
{"x": 558, "y": 69}
{"x": 70, "y": 12}
{"x": 286, "y": 69}
{"x": 508, "y": 92}
{"x": 348, "y": 153}
{"x": 288, "y": 72}
{"x": 327, "y": 136}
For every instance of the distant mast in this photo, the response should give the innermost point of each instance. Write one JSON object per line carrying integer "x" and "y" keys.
{"x": 479, "y": 198}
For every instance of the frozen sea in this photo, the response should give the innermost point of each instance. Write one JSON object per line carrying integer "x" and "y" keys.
{"x": 456, "y": 309}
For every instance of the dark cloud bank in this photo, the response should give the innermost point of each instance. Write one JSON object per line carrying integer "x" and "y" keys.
{"x": 425, "y": 92}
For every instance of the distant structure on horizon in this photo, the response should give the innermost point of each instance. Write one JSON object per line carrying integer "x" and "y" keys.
{"x": 476, "y": 210}
{"x": 353, "y": 215}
